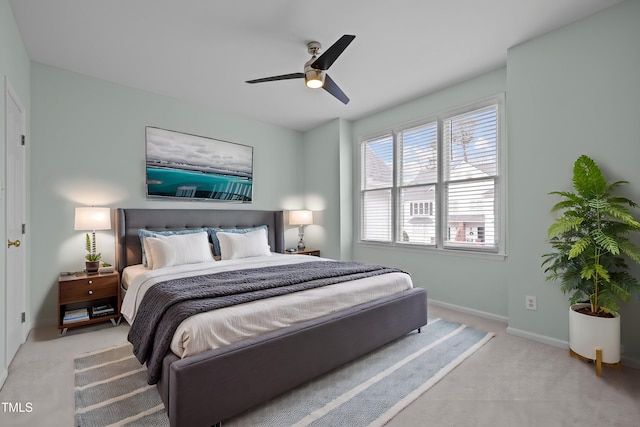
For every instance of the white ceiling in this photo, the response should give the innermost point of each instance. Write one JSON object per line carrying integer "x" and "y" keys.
{"x": 203, "y": 50}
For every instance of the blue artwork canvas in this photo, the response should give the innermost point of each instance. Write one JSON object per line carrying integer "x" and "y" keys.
{"x": 194, "y": 167}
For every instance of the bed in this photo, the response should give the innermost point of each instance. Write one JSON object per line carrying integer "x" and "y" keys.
{"x": 213, "y": 385}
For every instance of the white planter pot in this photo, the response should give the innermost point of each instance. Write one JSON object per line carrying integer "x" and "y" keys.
{"x": 586, "y": 333}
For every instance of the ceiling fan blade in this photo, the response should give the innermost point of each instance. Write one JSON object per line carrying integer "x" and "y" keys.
{"x": 330, "y": 55}
{"x": 275, "y": 78}
{"x": 331, "y": 87}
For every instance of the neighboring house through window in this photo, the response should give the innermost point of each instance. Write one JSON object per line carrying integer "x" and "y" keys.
{"x": 436, "y": 184}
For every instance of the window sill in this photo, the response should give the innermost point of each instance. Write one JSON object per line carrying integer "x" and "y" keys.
{"x": 434, "y": 251}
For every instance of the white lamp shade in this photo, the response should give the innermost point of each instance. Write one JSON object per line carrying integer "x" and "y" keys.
{"x": 300, "y": 217}
{"x": 92, "y": 218}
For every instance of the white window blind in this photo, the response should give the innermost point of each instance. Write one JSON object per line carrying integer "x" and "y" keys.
{"x": 418, "y": 175}
{"x": 377, "y": 185}
{"x": 435, "y": 184}
{"x": 471, "y": 169}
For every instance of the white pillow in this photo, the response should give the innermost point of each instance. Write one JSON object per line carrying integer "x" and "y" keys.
{"x": 233, "y": 245}
{"x": 179, "y": 249}
{"x": 148, "y": 257}
{"x": 144, "y": 233}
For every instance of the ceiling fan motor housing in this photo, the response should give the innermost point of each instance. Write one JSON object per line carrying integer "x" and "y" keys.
{"x": 313, "y": 48}
{"x": 312, "y": 77}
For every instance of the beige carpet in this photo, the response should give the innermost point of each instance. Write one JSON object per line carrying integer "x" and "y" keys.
{"x": 508, "y": 382}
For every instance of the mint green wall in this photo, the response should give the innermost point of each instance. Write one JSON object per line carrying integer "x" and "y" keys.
{"x": 347, "y": 191}
{"x": 321, "y": 182}
{"x": 573, "y": 91}
{"x": 14, "y": 67}
{"x": 88, "y": 148}
{"x": 328, "y": 188}
{"x": 478, "y": 284}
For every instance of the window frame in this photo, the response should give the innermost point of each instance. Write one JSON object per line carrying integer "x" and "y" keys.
{"x": 499, "y": 252}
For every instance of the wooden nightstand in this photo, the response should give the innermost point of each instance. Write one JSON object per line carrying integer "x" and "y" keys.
{"x": 312, "y": 252}
{"x": 80, "y": 292}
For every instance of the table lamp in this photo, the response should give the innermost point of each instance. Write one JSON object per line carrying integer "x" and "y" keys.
{"x": 92, "y": 219}
{"x": 301, "y": 218}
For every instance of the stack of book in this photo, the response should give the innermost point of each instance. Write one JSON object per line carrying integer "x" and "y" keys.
{"x": 75, "y": 315}
{"x": 102, "y": 310}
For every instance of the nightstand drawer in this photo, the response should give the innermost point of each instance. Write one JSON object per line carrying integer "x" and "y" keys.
{"x": 88, "y": 288}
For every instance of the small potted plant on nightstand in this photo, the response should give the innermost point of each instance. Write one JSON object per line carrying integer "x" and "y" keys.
{"x": 92, "y": 258}
{"x": 105, "y": 267}
{"x": 591, "y": 250}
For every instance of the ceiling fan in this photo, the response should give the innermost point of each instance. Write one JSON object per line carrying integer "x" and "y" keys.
{"x": 315, "y": 75}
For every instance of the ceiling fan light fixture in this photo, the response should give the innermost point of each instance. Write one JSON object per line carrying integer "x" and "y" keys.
{"x": 315, "y": 75}
{"x": 313, "y": 78}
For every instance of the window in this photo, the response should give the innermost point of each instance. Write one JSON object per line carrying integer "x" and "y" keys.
{"x": 435, "y": 184}
{"x": 421, "y": 208}
{"x": 377, "y": 178}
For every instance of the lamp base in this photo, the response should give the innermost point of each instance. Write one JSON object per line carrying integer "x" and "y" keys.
{"x": 301, "y": 245}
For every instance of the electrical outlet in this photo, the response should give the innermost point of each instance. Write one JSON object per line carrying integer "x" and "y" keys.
{"x": 530, "y": 303}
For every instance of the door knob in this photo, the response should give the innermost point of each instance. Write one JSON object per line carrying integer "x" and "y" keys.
{"x": 15, "y": 243}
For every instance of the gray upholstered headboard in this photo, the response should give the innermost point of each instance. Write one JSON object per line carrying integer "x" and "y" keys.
{"x": 129, "y": 221}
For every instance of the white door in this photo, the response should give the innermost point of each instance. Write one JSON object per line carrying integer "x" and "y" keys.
{"x": 15, "y": 214}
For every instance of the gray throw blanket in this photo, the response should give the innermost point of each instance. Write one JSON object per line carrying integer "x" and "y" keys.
{"x": 167, "y": 304}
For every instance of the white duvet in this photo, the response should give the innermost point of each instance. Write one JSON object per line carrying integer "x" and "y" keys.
{"x": 224, "y": 326}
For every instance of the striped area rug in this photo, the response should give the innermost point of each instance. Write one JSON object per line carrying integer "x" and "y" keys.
{"x": 111, "y": 388}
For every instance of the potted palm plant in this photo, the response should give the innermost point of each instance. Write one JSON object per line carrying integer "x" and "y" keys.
{"x": 92, "y": 258}
{"x": 591, "y": 250}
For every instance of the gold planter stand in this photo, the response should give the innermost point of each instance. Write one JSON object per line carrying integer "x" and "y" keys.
{"x": 599, "y": 363}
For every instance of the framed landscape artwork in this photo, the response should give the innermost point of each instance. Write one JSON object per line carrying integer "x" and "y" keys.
{"x": 190, "y": 167}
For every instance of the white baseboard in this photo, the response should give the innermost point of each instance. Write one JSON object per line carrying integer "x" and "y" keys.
{"x": 554, "y": 342}
{"x": 467, "y": 310}
{"x": 3, "y": 377}
{"x": 27, "y": 330}
{"x": 630, "y": 362}
{"x": 625, "y": 361}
